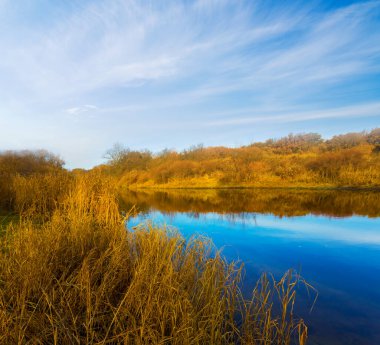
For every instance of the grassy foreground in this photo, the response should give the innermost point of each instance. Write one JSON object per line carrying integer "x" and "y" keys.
{"x": 78, "y": 277}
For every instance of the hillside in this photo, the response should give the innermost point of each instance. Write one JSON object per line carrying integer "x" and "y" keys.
{"x": 301, "y": 160}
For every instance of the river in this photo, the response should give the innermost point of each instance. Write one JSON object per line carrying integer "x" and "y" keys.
{"x": 331, "y": 237}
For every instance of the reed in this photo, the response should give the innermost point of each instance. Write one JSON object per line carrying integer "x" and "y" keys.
{"x": 38, "y": 195}
{"x": 80, "y": 277}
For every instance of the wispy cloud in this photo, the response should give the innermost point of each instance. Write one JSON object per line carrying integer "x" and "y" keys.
{"x": 342, "y": 230}
{"x": 127, "y": 43}
{"x": 221, "y": 63}
{"x": 81, "y": 109}
{"x": 257, "y": 116}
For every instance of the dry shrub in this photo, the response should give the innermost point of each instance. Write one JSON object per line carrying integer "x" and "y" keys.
{"x": 24, "y": 163}
{"x": 38, "y": 195}
{"x": 91, "y": 198}
{"x": 81, "y": 278}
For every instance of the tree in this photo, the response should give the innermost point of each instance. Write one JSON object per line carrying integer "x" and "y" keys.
{"x": 123, "y": 159}
{"x": 116, "y": 154}
{"x": 295, "y": 142}
{"x": 374, "y": 139}
{"x": 346, "y": 141}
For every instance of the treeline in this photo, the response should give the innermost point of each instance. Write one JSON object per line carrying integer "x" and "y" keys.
{"x": 301, "y": 160}
{"x": 351, "y": 159}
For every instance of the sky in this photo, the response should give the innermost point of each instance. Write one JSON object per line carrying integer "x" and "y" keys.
{"x": 78, "y": 76}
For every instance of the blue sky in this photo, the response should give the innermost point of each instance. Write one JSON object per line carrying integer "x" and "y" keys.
{"x": 77, "y": 76}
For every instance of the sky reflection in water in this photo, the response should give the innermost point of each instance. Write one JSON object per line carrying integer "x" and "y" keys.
{"x": 338, "y": 256}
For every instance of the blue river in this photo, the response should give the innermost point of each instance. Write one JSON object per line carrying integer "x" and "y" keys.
{"x": 338, "y": 255}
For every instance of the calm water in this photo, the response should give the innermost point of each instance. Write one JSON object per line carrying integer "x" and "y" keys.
{"x": 332, "y": 237}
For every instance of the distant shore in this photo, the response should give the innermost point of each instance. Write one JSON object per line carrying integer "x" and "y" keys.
{"x": 319, "y": 188}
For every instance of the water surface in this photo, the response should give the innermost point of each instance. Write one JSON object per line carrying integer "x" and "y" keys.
{"x": 332, "y": 237}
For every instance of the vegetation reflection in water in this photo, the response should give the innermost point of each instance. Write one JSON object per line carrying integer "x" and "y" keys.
{"x": 332, "y": 237}
{"x": 279, "y": 202}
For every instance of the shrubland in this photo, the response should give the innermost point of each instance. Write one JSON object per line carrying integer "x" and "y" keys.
{"x": 301, "y": 160}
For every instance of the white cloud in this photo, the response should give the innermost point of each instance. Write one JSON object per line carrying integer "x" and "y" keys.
{"x": 256, "y": 116}
{"x": 216, "y": 63}
{"x": 124, "y": 44}
{"x": 302, "y": 228}
{"x": 81, "y": 109}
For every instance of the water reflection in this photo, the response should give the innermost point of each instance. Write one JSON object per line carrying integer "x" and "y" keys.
{"x": 279, "y": 202}
{"x": 332, "y": 237}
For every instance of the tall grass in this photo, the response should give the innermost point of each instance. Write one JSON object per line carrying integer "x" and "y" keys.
{"x": 39, "y": 195}
{"x": 81, "y": 278}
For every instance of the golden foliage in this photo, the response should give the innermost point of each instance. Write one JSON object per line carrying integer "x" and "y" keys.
{"x": 81, "y": 278}
{"x": 15, "y": 170}
{"x": 39, "y": 194}
{"x": 302, "y": 160}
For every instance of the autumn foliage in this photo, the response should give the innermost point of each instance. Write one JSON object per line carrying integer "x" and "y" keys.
{"x": 301, "y": 160}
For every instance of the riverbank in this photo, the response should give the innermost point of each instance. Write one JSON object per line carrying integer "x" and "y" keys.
{"x": 76, "y": 275}
{"x": 291, "y": 162}
{"x": 164, "y": 187}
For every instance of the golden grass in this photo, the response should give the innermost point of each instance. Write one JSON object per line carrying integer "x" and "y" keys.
{"x": 81, "y": 278}
{"x": 38, "y": 195}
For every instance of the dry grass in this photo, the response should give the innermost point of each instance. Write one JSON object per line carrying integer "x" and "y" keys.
{"x": 39, "y": 195}
{"x": 81, "y": 278}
